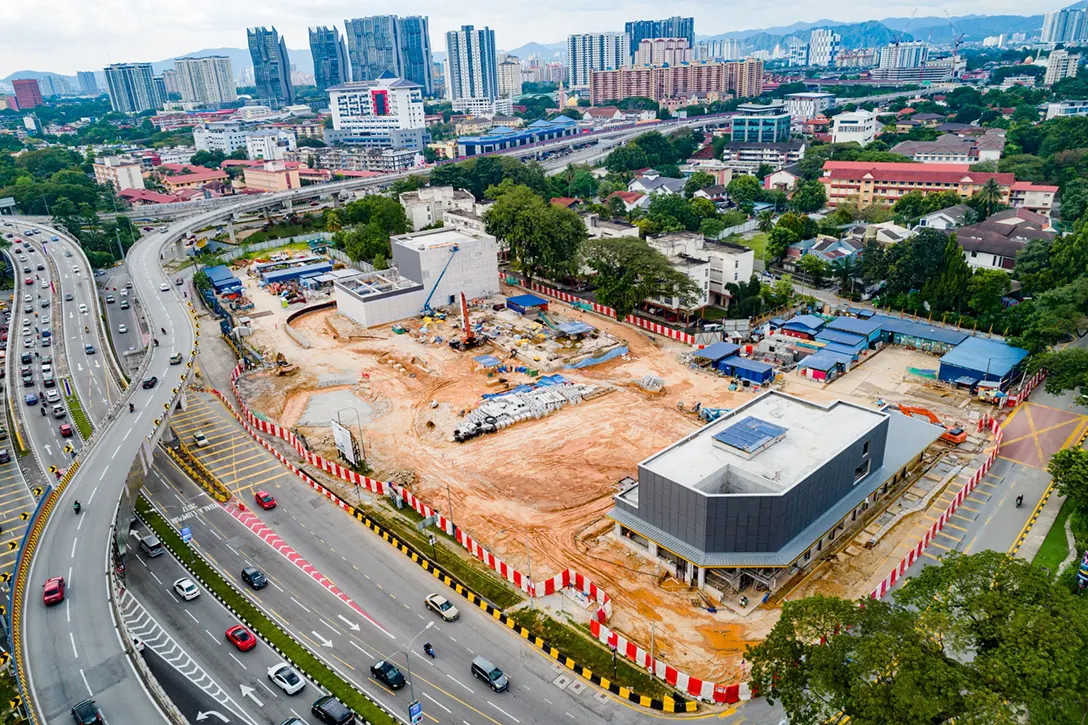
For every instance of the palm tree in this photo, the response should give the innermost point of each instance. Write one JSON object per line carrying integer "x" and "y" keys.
{"x": 766, "y": 220}
{"x": 988, "y": 199}
{"x": 845, "y": 270}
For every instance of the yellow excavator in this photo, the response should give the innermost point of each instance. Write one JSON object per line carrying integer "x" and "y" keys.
{"x": 283, "y": 367}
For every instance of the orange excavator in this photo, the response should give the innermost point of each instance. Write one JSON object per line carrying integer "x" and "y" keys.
{"x": 952, "y": 434}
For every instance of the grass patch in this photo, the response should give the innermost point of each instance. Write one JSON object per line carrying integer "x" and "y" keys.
{"x": 1055, "y": 546}
{"x": 758, "y": 243}
{"x": 295, "y": 247}
{"x": 471, "y": 573}
{"x": 321, "y": 673}
{"x": 280, "y": 231}
{"x": 581, "y": 647}
{"x": 79, "y": 417}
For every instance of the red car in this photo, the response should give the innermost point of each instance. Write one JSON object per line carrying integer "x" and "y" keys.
{"x": 53, "y": 590}
{"x": 265, "y": 500}
{"x": 242, "y": 638}
{"x": 65, "y": 430}
{"x": 29, "y": 281}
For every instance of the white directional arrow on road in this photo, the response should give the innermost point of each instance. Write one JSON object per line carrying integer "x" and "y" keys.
{"x": 96, "y": 364}
{"x": 79, "y": 367}
{"x": 324, "y": 642}
{"x": 201, "y": 716}
{"x": 248, "y": 692}
{"x": 48, "y": 449}
{"x": 351, "y": 625}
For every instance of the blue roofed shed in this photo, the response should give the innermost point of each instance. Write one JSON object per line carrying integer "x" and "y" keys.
{"x": 222, "y": 279}
{"x": 570, "y": 329}
{"x": 804, "y": 325}
{"x": 977, "y": 359}
{"x": 856, "y": 343}
{"x": 919, "y": 335}
{"x": 286, "y": 275}
{"x": 757, "y": 372}
{"x": 524, "y": 304}
{"x": 826, "y": 365}
{"x": 869, "y": 329}
{"x": 717, "y": 351}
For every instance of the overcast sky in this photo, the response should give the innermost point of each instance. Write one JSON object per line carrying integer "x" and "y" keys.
{"x": 64, "y": 36}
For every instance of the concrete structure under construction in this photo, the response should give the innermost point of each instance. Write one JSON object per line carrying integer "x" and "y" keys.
{"x": 431, "y": 268}
{"x": 755, "y": 496}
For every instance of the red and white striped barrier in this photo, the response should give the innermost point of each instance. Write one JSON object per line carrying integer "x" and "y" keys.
{"x": 1014, "y": 400}
{"x": 654, "y": 327}
{"x": 915, "y": 553}
{"x": 568, "y": 578}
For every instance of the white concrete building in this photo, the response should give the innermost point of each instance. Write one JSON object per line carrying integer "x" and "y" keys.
{"x": 711, "y": 264}
{"x": 206, "y": 81}
{"x": 1059, "y": 109}
{"x": 118, "y": 173}
{"x": 383, "y": 113}
{"x": 224, "y": 136}
{"x": 509, "y": 76}
{"x": 378, "y": 298}
{"x": 470, "y": 68}
{"x": 429, "y": 205}
{"x": 270, "y": 144}
{"x": 680, "y": 250}
{"x": 587, "y": 52}
{"x": 858, "y": 126}
{"x": 470, "y": 262}
{"x": 1060, "y": 64}
{"x": 254, "y": 113}
{"x": 823, "y": 47}
{"x": 663, "y": 51}
{"x": 484, "y": 106}
{"x": 803, "y": 106}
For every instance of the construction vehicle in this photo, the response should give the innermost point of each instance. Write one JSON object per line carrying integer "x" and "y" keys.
{"x": 283, "y": 367}
{"x": 952, "y": 433}
{"x": 427, "y": 311}
{"x": 469, "y": 339}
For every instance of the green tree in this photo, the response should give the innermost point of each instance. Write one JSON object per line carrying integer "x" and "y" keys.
{"x": 582, "y": 185}
{"x": 711, "y": 228}
{"x": 628, "y": 157}
{"x": 1069, "y": 255}
{"x": 874, "y": 265}
{"x": 946, "y": 291}
{"x": 673, "y": 212}
{"x": 540, "y": 238}
{"x": 208, "y": 159}
{"x": 766, "y": 220}
{"x": 617, "y": 207}
{"x": 779, "y": 241}
{"x": 985, "y": 290}
{"x": 1033, "y": 269}
{"x": 703, "y": 208}
{"x": 815, "y": 268}
{"x": 333, "y": 221}
{"x": 987, "y": 201}
{"x": 810, "y": 196}
{"x": 744, "y": 189}
{"x": 1065, "y": 370}
{"x": 845, "y": 270}
{"x": 698, "y": 180}
{"x": 387, "y": 213}
{"x": 630, "y": 271}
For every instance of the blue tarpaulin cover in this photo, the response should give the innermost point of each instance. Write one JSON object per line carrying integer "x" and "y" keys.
{"x": 488, "y": 361}
{"x": 717, "y": 351}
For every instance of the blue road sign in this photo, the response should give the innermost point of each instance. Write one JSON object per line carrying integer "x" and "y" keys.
{"x": 415, "y": 712}
{"x": 186, "y": 534}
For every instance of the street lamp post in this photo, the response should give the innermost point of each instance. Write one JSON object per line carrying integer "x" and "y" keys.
{"x": 408, "y": 660}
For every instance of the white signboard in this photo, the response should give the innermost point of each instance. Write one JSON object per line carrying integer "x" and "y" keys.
{"x": 344, "y": 442}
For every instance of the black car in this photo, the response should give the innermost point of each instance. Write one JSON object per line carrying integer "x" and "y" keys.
{"x": 149, "y": 382}
{"x": 5, "y": 455}
{"x": 329, "y": 710}
{"x": 41, "y": 267}
{"x": 387, "y": 674}
{"x": 27, "y": 358}
{"x": 254, "y": 577}
{"x": 85, "y": 713}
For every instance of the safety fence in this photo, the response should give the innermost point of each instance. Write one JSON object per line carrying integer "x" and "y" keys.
{"x": 1033, "y": 382}
{"x": 889, "y": 581}
{"x": 568, "y": 578}
{"x": 655, "y": 327}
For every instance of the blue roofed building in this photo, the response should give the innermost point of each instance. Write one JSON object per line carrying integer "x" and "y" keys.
{"x": 854, "y": 344}
{"x": 222, "y": 279}
{"x": 804, "y": 326}
{"x": 747, "y": 500}
{"x": 918, "y": 335}
{"x": 978, "y": 359}
{"x": 869, "y": 329}
{"x": 825, "y": 365}
{"x": 504, "y": 137}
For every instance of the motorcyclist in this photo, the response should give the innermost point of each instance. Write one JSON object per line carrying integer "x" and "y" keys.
{"x": 428, "y": 649}
{"x": 1019, "y": 500}
{"x": 86, "y": 328}
{"x": 131, "y": 408}
{"x": 163, "y": 330}
{"x": 76, "y": 507}
{"x": 43, "y": 410}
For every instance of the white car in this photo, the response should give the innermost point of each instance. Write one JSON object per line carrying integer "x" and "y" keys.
{"x": 164, "y": 287}
{"x": 286, "y": 678}
{"x": 52, "y": 396}
{"x": 201, "y": 440}
{"x": 83, "y": 309}
{"x": 122, "y": 328}
{"x": 186, "y": 589}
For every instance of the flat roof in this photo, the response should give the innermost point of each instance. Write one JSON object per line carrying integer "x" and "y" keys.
{"x": 824, "y": 360}
{"x": 811, "y": 322}
{"x": 854, "y": 325}
{"x": 843, "y": 338}
{"x": 431, "y": 239}
{"x": 992, "y": 357}
{"x": 921, "y": 330}
{"x": 815, "y": 434}
{"x": 717, "y": 351}
{"x": 528, "y": 301}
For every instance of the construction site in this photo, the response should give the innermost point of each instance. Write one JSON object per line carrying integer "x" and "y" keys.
{"x": 530, "y": 417}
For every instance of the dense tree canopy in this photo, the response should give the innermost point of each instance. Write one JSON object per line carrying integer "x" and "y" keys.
{"x": 629, "y": 271}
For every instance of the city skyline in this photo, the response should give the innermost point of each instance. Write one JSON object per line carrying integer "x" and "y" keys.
{"x": 87, "y": 39}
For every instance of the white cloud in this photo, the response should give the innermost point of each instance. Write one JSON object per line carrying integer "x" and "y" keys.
{"x": 64, "y": 36}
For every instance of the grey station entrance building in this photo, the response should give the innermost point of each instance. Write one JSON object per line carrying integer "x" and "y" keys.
{"x": 755, "y": 496}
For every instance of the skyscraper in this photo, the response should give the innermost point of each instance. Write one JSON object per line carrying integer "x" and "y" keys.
{"x": 382, "y": 43}
{"x": 170, "y": 80}
{"x": 823, "y": 47}
{"x": 208, "y": 81}
{"x": 330, "y": 57}
{"x": 587, "y": 52}
{"x": 1060, "y": 64}
{"x": 132, "y": 88}
{"x": 27, "y": 92}
{"x": 87, "y": 82}
{"x": 727, "y": 49}
{"x": 674, "y": 27}
{"x": 509, "y": 76}
{"x": 1064, "y": 26}
{"x": 271, "y": 67}
{"x": 471, "y": 69}
{"x": 161, "y": 96}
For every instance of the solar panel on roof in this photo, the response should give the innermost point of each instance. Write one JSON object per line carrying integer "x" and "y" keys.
{"x": 751, "y": 434}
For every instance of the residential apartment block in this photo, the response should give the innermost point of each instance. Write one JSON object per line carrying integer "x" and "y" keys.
{"x": 207, "y": 81}
{"x": 132, "y": 88}
{"x": 271, "y": 67}
{"x": 588, "y": 52}
{"x": 741, "y": 78}
{"x": 663, "y": 51}
{"x": 674, "y": 27}
{"x": 118, "y": 173}
{"x": 388, "y": 43}
{"x": 857, "y": 126}
{"x": 28, "y": 93}
{"x": 748, "y": 157}
{"x": 823, "y": 47}
{"x": 761, "y": 123}
{"x": 867, "y": 183}
{"x": 509, "y": 77}
{"x": 803, "y": 106}
{"x": 330, "y": 55}
{"x": 471, "y": 68}
{"x": 1060, "y": 64}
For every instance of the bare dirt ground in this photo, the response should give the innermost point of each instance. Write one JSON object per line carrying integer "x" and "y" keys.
{"x": 551, "y": 478}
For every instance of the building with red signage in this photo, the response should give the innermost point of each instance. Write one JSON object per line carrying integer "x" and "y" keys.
{"x": 28, "y": 93}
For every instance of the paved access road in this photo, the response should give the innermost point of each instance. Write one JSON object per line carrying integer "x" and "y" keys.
{"x": 70, "y": 658}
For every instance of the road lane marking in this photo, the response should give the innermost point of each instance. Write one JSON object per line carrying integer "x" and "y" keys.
{"x": 192, "y": 617}
{"x": 75, "y": 652}
{"x": 75, "y": 542}
{"x": 368, "y": 655}
{"x": 504, "y": 712}
{"x": 436, "y": 702}
{"x": 90, "y": 692}
{"x": 214, "y": 638}
{"x": 458, "y": 682}
{"x": 300, "y": 604}
{"x": 237, "y": 660}
{"x": 270, "y": 690}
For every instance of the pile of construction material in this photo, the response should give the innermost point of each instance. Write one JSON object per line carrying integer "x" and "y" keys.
{"x": 523, "y": 403}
